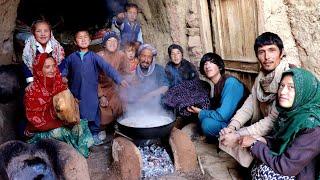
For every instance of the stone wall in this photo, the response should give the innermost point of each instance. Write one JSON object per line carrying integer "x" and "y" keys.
{"x": 171, "y": 21}
{"x": 8, "y": 14}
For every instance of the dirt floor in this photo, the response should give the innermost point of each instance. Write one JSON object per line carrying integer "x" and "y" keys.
{"x": 216, "y": 165}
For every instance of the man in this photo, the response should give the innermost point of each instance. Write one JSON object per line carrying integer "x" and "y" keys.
{"x": 259, "y": 108}
{"x": 151, "y": 81}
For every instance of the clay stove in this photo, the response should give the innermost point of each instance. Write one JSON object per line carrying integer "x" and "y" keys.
{"x": 127, "y": 156}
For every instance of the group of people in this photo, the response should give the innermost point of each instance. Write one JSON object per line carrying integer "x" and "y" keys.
{"x": 276, "y": 124}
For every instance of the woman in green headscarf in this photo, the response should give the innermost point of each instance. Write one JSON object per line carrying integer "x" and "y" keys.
{"x": 292, "y": 152}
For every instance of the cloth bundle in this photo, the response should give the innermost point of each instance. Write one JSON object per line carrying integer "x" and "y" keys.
{"x": 66, "y": 107}
{"x": 188, "y": 93}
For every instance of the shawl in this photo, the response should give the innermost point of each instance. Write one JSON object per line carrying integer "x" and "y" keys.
{"x": 188, "y": 93}
{"x": 268, "y": 84}
{"x": 38, "y": 99}
{"x": 30, "y": 49}
{"x": 304, "y": 113}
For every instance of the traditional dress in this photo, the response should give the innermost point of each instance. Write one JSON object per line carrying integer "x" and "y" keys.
{"x": 83, "y": 75}
{"x": 42, "y": 119}
{"x": 294, "y": 147}
{"x": 258, "y": 110}
{"x": 109, "y": 89}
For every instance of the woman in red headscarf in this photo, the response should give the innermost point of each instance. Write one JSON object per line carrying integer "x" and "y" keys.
{"x": 43, "y": 121}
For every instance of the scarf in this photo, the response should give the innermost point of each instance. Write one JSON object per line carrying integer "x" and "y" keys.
{"x": 30, "y": 51}
{"x": 150, "y": 70}
{"x": 268, "y": 84}
{"x": 39, "y": 98}
{"x": 304, "y": 113}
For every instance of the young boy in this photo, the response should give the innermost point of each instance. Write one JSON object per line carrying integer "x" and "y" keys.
{"x": 130, "y": 28}
{"x": 81, "y": 68}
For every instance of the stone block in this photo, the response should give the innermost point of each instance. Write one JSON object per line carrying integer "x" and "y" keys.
{"x": 127, "y": 158}
{"x": 193, "y": 20}
{"x": 51, "y": 158}
{"x": 194, "y": 41}
{"x": 184, "y": 151}
{"x": 193, "y": 31}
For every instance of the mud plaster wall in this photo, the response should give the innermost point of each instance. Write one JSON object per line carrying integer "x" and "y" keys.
{"x": 298, "y": 23}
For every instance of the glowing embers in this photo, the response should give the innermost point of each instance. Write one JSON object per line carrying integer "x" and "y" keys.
{"x": 156, "y": 161}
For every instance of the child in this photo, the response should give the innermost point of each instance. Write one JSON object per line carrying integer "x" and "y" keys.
{"x": 130, "y": 50}
{"x": 179, "y": 69}
{"x": 41, "y": 41}
{"x": 130, "y": 28}
{"x": 81, "y": 67}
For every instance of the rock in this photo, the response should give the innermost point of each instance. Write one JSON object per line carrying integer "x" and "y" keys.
{"x": 53, "y": 160}
{"x": 193, "y": 31}
{"x": 193, "y": 20}
{"x": 10, "y": 82}
{"x": 127, "y": 157}
{"x": 194, "y": 41}
{"x": 184, "y": 151}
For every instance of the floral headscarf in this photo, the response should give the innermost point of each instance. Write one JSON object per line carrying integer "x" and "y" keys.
{"x": 39, "y": 98}
{"x": 30, "y": 49}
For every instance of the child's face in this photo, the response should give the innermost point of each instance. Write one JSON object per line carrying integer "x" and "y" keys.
{"x": 42, "y": 33}
{"x": 132, "y": 14}
{"x": 130, "y": 53}
{"x": 83, "y": 40}
{"x": 112, "y": 44}
{"x": 176, "y": 56}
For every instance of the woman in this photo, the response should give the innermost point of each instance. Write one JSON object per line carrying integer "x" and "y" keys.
{"x": 110, "y": 102}
{"x": 227, "y": 96}
{"x": 293, "y": 149}
{"x": 42, "y": 118}
{"x": 178, "y": 69}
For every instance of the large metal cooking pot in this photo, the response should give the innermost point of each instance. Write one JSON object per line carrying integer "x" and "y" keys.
{"x": 128, "y": 127}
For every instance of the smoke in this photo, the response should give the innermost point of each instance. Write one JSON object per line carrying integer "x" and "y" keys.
{"x": 137, "y": 107}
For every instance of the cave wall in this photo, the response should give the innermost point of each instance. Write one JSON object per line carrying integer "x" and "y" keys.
{"x": 8, "y": 14}
{"x": 181, "y": 21}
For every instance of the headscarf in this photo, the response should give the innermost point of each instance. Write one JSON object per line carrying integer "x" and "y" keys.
{"x": 304, "y": 113}
{"x": 30, "y": 50}
{"x": 139, "y": 72}
{"x": 39, "y": 98}
{"x": 109, "y": 35}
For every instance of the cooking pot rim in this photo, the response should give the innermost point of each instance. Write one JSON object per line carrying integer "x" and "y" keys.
{"x": 172, "y": 121}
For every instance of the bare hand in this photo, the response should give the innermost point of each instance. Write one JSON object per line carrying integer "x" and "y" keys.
{"x": 230, "y": 140}
{"x": 28, "y": 88}
{"x": 193, "y": 109}
{"x": 65, "y": 80}
{"x": 226, "y": 130}
{"x": 246, "y": 141}
{"x": 104, "y": 101}
{"x": 124, "y": 84}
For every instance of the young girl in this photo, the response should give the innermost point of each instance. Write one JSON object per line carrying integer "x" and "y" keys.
{"x": 82, "y": 69}
{"x": 41, "y": 41}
